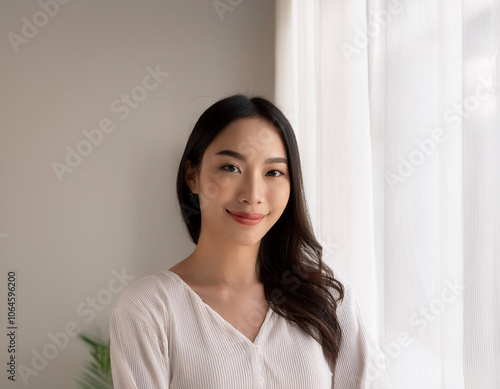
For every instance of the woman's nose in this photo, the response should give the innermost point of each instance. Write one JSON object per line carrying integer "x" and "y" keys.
{"x": 252, "y": 190}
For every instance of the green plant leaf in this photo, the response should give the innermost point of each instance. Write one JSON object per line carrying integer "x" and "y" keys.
{"x": 97, "y": 373}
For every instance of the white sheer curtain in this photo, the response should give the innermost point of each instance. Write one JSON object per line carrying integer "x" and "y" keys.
{"x": 395, "y": 109}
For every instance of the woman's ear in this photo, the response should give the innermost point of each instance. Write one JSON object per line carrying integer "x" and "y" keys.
{"x": 191, "y": 177}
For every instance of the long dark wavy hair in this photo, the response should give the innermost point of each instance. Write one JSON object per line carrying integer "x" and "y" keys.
{"x": 297, "y": 284}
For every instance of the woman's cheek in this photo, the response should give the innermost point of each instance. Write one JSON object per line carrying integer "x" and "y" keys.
{"x": 280, "y": 195}
{"x": 220, "y": 179}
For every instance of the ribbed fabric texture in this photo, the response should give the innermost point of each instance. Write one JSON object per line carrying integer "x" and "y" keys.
{"x": 164, "y": 336}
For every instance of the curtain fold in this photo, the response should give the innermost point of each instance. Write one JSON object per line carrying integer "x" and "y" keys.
{"x": 395, "y": 112}
{"x": 317, "y": 89}
{"x": 481, "y": 124}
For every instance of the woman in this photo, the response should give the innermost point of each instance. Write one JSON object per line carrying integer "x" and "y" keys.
{"x": 253, "y": 306}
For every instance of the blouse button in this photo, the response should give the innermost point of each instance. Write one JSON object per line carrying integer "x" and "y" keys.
{"x": 256, "y": 348}
{"x": 261, "y": 379}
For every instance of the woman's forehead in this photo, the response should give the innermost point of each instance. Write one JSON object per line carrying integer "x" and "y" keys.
{"x": 243, "y": 134}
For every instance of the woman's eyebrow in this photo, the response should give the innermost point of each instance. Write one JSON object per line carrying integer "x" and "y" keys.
{"x": 241, "y": 157}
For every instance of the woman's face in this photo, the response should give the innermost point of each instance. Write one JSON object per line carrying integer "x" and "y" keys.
{"x": 243, "y": 170}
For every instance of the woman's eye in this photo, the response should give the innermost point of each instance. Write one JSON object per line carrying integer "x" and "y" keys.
{"x": 277, "y": 171}
{"x": 227, "y": 168}
{"x": 230, "y": 168}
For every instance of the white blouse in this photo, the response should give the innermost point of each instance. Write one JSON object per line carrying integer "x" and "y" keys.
{"x": 164, "y": 336}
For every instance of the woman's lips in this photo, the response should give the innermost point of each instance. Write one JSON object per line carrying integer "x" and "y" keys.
{"x": 247, "y": 215}
{"x": 249, "y": 219}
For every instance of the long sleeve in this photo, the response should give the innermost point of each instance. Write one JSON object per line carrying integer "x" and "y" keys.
{"x": 139, "y": 357}
{"x": 358, "y": 365}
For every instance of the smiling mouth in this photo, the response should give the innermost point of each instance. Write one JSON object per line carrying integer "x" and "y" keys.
{"x": 245, "y": 220}
{"x": 247, "y": 216}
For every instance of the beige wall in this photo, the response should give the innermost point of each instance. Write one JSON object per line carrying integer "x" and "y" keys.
{"x": 68, "y": 235}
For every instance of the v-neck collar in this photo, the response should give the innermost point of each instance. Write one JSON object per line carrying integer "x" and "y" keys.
{"x": 197, "y": 297}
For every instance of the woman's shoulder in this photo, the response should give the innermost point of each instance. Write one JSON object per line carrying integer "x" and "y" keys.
{"x": 148, "y": 298}
{"x": 348, "y": 309}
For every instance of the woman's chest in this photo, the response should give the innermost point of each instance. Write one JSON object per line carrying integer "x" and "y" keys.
{"x": 243, "y": 307}
{"x": 246, "y": 312}
{"x": 205, "y": 352}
